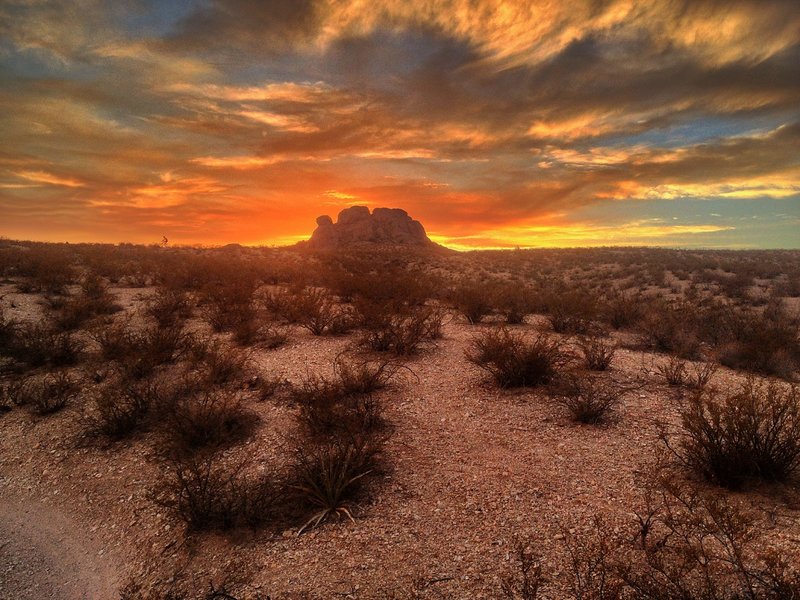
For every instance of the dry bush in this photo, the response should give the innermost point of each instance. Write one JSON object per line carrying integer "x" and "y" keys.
{"x": 622, "y": 310}
{"x": 473, "y": 300}
{"x": 399, "y": 330}
{"x": 671, "y": 328}
{"x": 92, "y": 301}
{"x": 316, "y": 310}
{"x": 218, "y": 364}
{"x": 571, "y": 312}
{"x": 526, "y": 581}
{"x": 767, "y": 344}
{"x": 37, "y": 345}
{"x": 169, "y": 307}
{"x": 122, "y": 406}
{"x": 673, "y": 371}
{"x": 329, "y": 475}
{"x": 752, "y": 433}
{"x": 588, "y": 399}
{"x": 514, "y": 360}
{"x": 139, "y": 351}
{"x": 208, "y": 491}
{"x": 514, "y": 302}
{"x": 700, "y": 375}
{"x": 364, "y": 377}
{"x": 193, "y": 419}
{"x": 330, "y": 408}
{"x": 45, "y": 395}
{"x": 48, "y": 268}
{"x": 598, "y": 353}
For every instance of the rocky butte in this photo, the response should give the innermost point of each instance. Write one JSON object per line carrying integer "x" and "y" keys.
{"x": 357, "y": 226}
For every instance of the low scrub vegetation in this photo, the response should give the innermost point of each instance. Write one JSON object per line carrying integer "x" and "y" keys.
{"x": 753, "y": 433}
{"x": 589, "y": 399}
{"x": 517, "y": 360}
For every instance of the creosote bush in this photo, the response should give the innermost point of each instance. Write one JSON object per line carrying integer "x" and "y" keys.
{"x": 45, "y": 395}
{"x": 598, "y": 353}
{"x": 473, "y": 300}
{"x": 122, "y": 406}
{"x": 37, "y": 345}
{"x": 400, "y": 330}
{"x": 517, "y": 360}
{"x": 589, "y": 399}
{"x": 753, "y": 433}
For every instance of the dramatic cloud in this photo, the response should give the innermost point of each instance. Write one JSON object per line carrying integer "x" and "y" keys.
{"x": 495, "y": 123}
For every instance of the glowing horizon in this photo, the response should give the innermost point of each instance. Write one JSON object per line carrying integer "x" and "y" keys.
{"x": 495, "y": 124}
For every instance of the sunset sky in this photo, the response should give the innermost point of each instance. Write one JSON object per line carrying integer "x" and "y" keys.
{"x": 496, "y": 124}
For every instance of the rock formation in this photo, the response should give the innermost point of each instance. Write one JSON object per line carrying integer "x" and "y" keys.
{"x": 355, "y": 225}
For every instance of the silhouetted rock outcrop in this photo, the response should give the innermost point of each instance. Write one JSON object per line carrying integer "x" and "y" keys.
{"x": 356, "y": 225}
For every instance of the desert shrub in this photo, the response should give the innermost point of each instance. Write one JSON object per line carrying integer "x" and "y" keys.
{"x": 329, "y": 408}
{"x": 328, "y": 476}
{"x": 766, "y": 343}
{"x": 588, "y": 399}
{"x": 673, "y": 371}
{"x": 8, "y": 330}
{"x": 571, "y": 312}
{"x": 473, "y": 300}
{"x": 227, "y": 300}
{"x": 92, "y": 300}
{"x": 514, "y": 360}
{"x": 399, "y": 330}
{"x": 752, "y": 433}
{"x": 194, "y": 419}
{"x": 37, "y": 345}
{"x": 139, "y": 351}
{"x": 218, "y": 364}
{"x": 208, "y": 491}
{"x": 621, "y": 310}
{"x": 364, "y": 377}
{"x": 45, "y": 395}
{"x": 169, "y": 307}
{"x": 598, "y": 353}
{"x": 47, "y": 269}
{"x": 122, "y": 406}
{"x": 671, "y": 328}
{"x": 700, "y": 375}
{"x": 526, "y": 580}
{"x": 514, "y": 302}
{"x": 316, "y": 310}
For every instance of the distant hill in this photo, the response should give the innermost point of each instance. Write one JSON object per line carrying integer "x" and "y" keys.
{"x": 356, "y": 226}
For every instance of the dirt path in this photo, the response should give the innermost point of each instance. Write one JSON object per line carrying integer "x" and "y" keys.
{"x": 45, "y": 554}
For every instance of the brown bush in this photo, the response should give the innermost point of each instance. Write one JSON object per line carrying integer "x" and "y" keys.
{"x": 473, "y": 300}
{"x": 572, "y": 312}
{"x": 513, "y": 360}
{"x": 514, "y": 302}
{"x": 37, "y": 345}
{"x": 169, "y": 307}
{"x": 598, "y": 353}
{"x": 673, "y": 371}
{"x": 588, "y": 399}
{"x": 139, "y": 351}
{"x": 45, "y": 395}
{"x": 753, "y": 433}
{"x": 206, "y": 491}
{"x": 92, "y": 301}
{"x": 122, "y": 406}
{"x": 196, "y": 419}
{"x": 399, "y": 330}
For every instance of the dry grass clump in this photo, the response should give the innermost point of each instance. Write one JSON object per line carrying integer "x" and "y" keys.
{"x": 329, "y": 475}
{"x": 516, "y": 360}
{"x": 589, "y": 399}
{"x": 750, "y": 434}
{"x": 598, "y": 352}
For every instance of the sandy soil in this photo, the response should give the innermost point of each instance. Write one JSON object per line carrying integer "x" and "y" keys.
{"x": 473, "y": 469}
